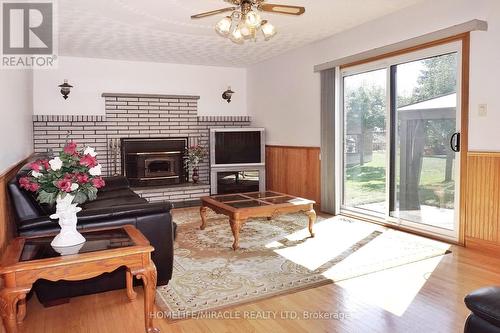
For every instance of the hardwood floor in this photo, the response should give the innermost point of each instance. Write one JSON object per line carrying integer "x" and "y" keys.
{"x": 405, "y": 299}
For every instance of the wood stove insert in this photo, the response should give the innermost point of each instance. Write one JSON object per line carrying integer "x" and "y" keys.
{"x": 154, "y": 161}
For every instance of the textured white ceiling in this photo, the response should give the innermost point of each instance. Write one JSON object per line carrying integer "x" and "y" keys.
{"x": 162, "y": 30}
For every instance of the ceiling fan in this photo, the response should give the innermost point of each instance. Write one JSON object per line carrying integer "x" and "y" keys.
{"x": 244, "y": 21}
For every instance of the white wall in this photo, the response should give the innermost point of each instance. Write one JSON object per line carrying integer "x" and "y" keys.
{"x": 91, "y": 77}
{"x": 284, "y": 93}
{"x": 16, "y": 128}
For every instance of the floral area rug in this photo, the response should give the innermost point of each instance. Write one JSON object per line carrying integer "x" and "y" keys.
{"x": 276, "y": 257}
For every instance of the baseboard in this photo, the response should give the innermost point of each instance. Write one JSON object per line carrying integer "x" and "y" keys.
{"x": 482, "y": 245}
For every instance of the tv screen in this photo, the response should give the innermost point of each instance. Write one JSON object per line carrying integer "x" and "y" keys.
{"x": 237, "y": 147}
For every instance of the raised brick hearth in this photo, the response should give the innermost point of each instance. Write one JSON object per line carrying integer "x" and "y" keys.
{"x": 133, "y": 116}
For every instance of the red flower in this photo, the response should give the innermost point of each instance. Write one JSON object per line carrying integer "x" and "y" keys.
{"x": 70, "y": 148}
{"x": 98, "y": 182}
{"x": 82, "y": 178}
{"x": 33, "y": 187}
{"x": 36, "y": 166}
{"x": 88, "y": 161}
{"x": 24, "y": 182}
{"x": 46, "y": 164}
{"x": 69, "y": 176}
{"x": 64, "y": 185}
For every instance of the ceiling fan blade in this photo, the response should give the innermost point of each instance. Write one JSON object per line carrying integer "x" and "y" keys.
{"x": 214, "y": 12}
{"x": 282, "y": 9}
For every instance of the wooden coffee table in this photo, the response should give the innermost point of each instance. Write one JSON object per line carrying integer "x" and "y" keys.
{"x": 29, "y": 259}
{"x": 241, "y": 206}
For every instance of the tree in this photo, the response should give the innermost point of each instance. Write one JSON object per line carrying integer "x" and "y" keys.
{"x": 437, "y": 78}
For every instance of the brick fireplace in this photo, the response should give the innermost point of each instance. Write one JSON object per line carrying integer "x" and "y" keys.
{"x": 137, "y": 116}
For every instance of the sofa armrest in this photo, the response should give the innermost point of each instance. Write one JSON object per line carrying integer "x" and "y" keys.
{"x": 485, "y": 303}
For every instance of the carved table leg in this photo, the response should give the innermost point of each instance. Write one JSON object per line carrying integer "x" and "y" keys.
{"x": 9, "y": 297}
{"x": 21, "y": 310}
{"x": 148, "y": 276}
{"x": 235, "y": 228}
{"x": 130, "y": 285}
{"x": 311, "y": 214}
{"x": 203, "y": 214}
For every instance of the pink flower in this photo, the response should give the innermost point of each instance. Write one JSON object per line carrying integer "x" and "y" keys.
{"x": 64, "y": 185}
{"x": 98, "y": 182}
{"x": 82, "y": 178}
{"x": 69, "y": 176}
{"x": 70, "y": 148}
{"x": 36, "y": 166}
{"x": 88, "y": 161}
{"x": 24, "y": 182}
{"x": 46, "y": 164}
{"x": 33, "y": 187}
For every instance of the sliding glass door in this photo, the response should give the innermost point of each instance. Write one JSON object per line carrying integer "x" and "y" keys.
{"x": 400, "y": 135}
{"x": 365, "y": 149}
{"x": 425, "y": 114}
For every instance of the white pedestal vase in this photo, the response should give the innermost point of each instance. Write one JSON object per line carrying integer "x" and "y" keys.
{"x": 66, "y": 213}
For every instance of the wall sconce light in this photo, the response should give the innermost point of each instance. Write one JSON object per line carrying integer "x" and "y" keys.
{"x": 65, "y": 89}
{"x": 227, "y": 94}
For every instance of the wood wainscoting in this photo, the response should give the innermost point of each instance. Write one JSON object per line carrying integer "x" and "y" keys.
{"x": 6, "y": 215}
{"x": 294, "y": 170}
{"x": 482, "y": 210}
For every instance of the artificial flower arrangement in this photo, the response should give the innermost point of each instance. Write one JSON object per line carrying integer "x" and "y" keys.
{"x": 75, "y": 172}
{"x": 69, "y": 179}
{"x": 194, "y": 156}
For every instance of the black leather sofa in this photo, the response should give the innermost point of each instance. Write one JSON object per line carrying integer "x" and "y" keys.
{"x": 484, "y": 304}
{"x": 116, "y": 205}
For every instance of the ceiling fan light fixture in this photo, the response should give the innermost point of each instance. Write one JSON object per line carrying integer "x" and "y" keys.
{"x": 245, "y": 22}
{"x": 223, "y": 27}
{"x": 268, "y": 30}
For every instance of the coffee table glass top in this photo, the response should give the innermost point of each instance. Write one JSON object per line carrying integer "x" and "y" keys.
{"x": 262, "y": 195}
{"x": 256, "y": 199}
{"x": 40, "y": 248}
{"x": 246, "y": 204}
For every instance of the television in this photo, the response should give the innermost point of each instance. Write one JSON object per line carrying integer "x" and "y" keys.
{"x": 242, "y": 146}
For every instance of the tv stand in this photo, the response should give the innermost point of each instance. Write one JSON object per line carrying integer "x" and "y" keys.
{"x": 237, "y": 179}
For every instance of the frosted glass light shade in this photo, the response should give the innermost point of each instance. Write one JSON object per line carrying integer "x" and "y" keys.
{"x": 223, "y": 26}
{"x": 253, "y": 20}
{"x": 268, "y": 30}
{"x": 237, "y": 37}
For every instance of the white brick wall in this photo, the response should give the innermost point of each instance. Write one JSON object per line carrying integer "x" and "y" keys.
{"x": 133, "y": 115}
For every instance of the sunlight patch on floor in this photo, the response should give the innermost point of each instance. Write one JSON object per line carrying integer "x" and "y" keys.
{"x": 392, "y": 289}
{"x": 331, "y": 240}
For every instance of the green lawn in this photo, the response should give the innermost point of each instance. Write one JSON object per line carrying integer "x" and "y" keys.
{"x": 366, "y": 184}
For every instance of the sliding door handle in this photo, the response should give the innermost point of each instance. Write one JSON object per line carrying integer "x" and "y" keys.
{"x": 455, "y": 142}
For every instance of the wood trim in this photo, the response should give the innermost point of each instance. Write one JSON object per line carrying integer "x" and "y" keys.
{"x": 293, "y": 147}
{"x": 408, "y": 50}
{"x": 483, "y": 246}
{"x": 464, "y": 137}
{"x": 7, "y": 228}
{"x": 294, "y": 170}
{"x": 494, "y": 154}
